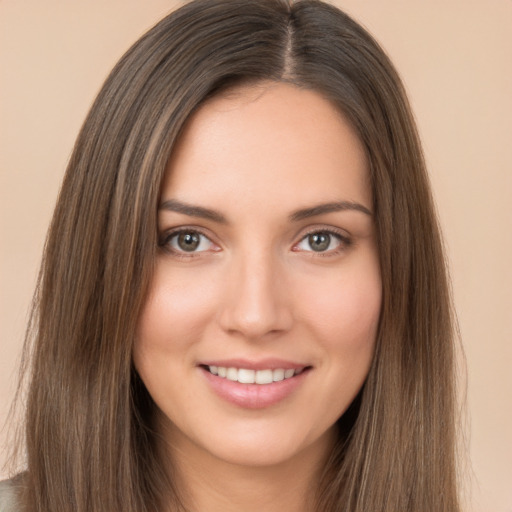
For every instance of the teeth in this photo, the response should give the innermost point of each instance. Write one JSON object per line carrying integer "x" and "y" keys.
{"x": 245, "y": 376}
{"x": 288, "y": 373}
{"x": 264, "y": 377}
{"x": 232, "y": 374}
{"x": 278, "y": 375}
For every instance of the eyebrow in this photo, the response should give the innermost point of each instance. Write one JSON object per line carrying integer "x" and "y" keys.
{"x": 337, "y": 206}
{"x": 174, "y": 205}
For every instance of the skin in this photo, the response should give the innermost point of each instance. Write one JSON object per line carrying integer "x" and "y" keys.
{"x": 255, "y": 288}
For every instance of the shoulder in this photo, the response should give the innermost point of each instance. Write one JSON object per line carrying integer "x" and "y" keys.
{"x": 7, "y": 496}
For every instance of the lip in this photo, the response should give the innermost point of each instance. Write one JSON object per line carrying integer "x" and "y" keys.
{"x": 254, "y": 396}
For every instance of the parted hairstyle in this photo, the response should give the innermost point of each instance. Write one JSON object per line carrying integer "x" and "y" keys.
{"x": 90, "y": 441}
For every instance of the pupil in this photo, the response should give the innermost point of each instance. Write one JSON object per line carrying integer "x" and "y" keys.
{"x": 319, "y": 241}
{"x": 188, "y": 241}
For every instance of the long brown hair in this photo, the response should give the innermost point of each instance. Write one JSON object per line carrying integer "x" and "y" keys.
{"x": 90, "y": 442}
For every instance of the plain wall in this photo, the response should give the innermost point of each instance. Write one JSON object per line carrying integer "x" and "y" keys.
{"x": 455, "y": 57}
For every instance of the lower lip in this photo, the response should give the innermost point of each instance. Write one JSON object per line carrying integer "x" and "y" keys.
{"x": 254, "y": 396}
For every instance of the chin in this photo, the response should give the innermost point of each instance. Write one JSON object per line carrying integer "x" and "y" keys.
{"x": 263, "y": 445}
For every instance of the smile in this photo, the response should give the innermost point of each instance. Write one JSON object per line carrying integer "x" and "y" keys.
{"x": 254, "y": 385}
{"x": 247, "y": 376}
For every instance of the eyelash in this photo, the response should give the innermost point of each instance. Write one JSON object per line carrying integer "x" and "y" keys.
{"x": 344, "y": 242}
{"x": 166, "y": 238}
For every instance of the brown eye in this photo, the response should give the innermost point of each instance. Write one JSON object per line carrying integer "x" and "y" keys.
{"x": 329, "y": 242}
{"x": 188, "y": 241}
{"x": 319, "y": 241}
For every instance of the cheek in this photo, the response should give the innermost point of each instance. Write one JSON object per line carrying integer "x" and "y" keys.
{"x": 171, "y": 324}
{"x": 346, "y": 312}
{"x": 343, "y": 320}
{"x": 176, "y": 311}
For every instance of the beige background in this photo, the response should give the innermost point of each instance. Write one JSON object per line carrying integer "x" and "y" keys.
{"x": 456, "y": 59}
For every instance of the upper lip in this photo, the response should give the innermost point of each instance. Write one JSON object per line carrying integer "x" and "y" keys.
{"x": 261, "y": 364}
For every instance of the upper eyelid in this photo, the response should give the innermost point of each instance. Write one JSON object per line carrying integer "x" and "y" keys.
{"x": 167, "y": 234}
{"x": 342, "y": 233}
{"x": 344, "y": 239}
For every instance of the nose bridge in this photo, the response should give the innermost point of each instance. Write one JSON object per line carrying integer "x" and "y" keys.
{"x": 255, "y": 303}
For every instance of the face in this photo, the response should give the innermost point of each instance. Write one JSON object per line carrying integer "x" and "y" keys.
{"x": 260, "y": 324}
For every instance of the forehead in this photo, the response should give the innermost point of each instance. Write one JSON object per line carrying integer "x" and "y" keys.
{"x": 272, "y": 142}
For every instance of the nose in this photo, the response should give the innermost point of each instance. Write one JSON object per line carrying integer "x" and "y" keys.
{"x": 256, "y": 300}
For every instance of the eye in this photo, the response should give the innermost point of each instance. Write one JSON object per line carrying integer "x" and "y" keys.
{"x": 322, "y": 241}
{"x": 187, "y": 241}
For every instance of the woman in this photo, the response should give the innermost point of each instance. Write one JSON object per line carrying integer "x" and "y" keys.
{"x": 243, "y": 301}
